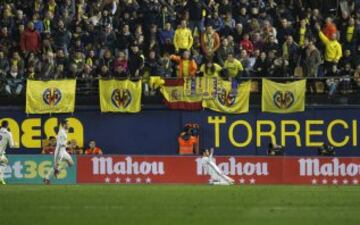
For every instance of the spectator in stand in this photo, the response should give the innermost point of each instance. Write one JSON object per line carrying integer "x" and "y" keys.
{"x": 291, "y": 53}
{"x": 187, "y": 67}
{"x": 183, "y": 39}
{"x": 210, "y": 41}
{"x": 50, "y": 146}
{"x": 233, "y": 67}
{"x": 210, "y": 69}
{"x": 4, "y": 64}
{"x": 166, "y": 37}
{"x": 333, "y": 49}
{"x": 62, "y": 37}
{"x": 284, "y": 31}
{"x": 311, "y": 65}
{"x": 30, "y": 39}
{"x": 261, "y": 65}
{"x": 73, "y": 148}
{"x": 350, "y": 35}
{"x": 136, "y": 61}
{"x": 329, "y": 29}
{"x": 223, "y": 52}
{"x": 195, "y": 9}
{"x": 93, "y": 149}
{"x": 120, "y": 65}
{"x": 246, "y": 44}
{"x": 302, "y": 33}
{"x": 356, "y": 77}
{"x": 15, "y": 81}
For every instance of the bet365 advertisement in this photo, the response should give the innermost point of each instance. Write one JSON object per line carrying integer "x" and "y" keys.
{"x": 31, "y": 169}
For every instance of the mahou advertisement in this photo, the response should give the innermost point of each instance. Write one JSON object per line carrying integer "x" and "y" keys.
{"x": 244, "y": 170}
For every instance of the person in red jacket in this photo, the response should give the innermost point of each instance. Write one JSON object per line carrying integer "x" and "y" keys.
{"x": 93, "y": 149}
{"x": 30, "y": 39}
{"x": 246, "y": 44}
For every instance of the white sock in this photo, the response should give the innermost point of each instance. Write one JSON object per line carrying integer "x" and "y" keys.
{"x": 2, "y": 168}
{"x": 51, "y": 172}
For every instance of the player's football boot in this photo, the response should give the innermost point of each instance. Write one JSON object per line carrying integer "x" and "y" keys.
{"x": 56, "y": 173}
{"x": 2, "y": 181}
{"x": 46, "y": 181}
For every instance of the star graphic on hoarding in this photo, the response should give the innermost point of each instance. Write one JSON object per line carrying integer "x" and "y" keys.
{"x": 128, "y": 180}
{"x": 335, "y": 181}
{"x": 107, "y": 180}
{"x": 148, "y": 180}
{"x": 355, "y": 181}
{"x": 314, "y": 181}
{"x": 138, "y": 180}
{"x": 242, "y": 181}
{"x": 345, "y": 181}
{"x": 324, "y": 181}
{"x": 117, "y": 180}
{"x": 252, "y": 181}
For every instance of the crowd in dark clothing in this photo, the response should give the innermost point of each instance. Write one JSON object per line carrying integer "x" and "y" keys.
{"x": 57, "y": 39}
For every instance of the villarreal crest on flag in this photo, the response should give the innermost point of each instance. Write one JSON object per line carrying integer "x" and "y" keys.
{"x": 50, "y": 96}
{"x": 283, "y": 97}
{"x": 231, "y": 98}
{"x": 120, "y": 96}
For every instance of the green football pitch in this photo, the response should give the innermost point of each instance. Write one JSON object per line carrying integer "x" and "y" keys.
{"x": 178, "y": 205}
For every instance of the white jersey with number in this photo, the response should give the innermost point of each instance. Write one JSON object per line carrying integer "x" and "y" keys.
{"x": 6, "y": 139}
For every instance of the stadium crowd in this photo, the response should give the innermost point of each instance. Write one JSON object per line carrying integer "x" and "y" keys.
{"x": 56, "y": 39}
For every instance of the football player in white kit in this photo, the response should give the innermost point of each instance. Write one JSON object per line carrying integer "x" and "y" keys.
{"x": 217, "y": 177}
{"x": 62, "y": 158}
{"x": 5, "y": 140}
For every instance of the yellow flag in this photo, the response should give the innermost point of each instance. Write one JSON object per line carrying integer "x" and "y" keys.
{"x": 120, "y": 96}
{"x": 229, "y": 100}
{"x": 283, "y": 97}
{"x": 56, "y": 96}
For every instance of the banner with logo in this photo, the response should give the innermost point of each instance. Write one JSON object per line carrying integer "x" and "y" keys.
{"x": 229, "y": 99}
{"x": 120, "y": 96}
{"x": 31, "y": 169}
{"x": 175, "y": 97}
{"x": 50, "y": 96}
{"x": 244, "y": 170}
{"x": 283, "y": 97}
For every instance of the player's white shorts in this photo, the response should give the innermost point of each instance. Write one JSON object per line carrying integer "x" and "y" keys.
{"x": 65, "y": 156}
{"x": 3, "y": 159}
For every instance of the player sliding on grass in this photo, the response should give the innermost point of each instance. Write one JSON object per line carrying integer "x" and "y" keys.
{"x": 5, "y": 140}
{"x": 217, "y": 177}
{"x": 62, "y": 159}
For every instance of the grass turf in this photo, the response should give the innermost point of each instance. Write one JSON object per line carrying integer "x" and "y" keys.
{"x": 178, "y": 205}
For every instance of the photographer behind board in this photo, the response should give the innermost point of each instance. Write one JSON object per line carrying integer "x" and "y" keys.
{"x": 326, "y": 150}
{"x": 275, "y": 150}
{"x": 189, "y": 140}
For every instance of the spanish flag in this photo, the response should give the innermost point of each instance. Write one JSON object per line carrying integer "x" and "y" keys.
{"x": 283, "y": 97}
{"x": 175, "y": 97}
{"x": 56, "y": 96}
{"x": 120, "y": 96}
{"x": 230, "y": 99}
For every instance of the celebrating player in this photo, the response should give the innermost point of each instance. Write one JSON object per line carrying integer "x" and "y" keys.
{"x": 217, "y": 177}
{"x": 62, "y": 159}
{"x": 5, "y": 140}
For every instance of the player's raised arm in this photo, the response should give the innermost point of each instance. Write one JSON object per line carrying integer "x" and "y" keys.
{"x": 211, "y": 152}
